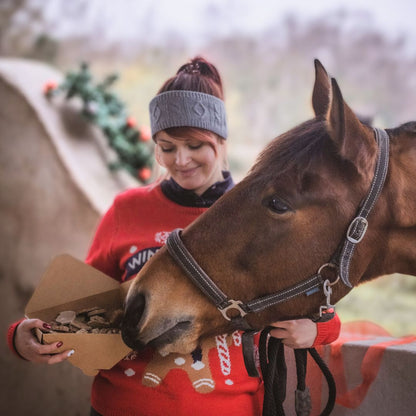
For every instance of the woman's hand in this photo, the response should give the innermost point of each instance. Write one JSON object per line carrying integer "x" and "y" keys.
{"x": 29, "y": 348}
{"x": 299, "y": 333}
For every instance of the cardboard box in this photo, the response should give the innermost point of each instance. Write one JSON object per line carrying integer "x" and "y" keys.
{"x": 70, "y": 284}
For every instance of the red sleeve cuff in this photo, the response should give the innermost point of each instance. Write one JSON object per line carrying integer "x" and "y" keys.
{"x": 327, "y": 331}
{"x": 10, "y": 338}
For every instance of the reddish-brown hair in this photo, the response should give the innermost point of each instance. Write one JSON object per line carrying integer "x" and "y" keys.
{"x": 196, "y": 75}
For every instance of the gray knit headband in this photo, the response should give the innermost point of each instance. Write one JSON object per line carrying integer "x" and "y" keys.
{"x": 187, "y": 109}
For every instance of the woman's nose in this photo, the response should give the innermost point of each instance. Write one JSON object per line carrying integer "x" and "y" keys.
{"x": 182, "y": 157}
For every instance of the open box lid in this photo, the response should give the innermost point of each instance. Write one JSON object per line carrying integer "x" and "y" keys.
{"x": 69, "y": 283}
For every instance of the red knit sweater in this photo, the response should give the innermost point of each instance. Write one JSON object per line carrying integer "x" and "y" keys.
{"x": 210, "y": 381}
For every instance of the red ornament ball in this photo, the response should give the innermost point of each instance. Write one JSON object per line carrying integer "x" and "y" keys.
{"x": 145, "y": 134}
{"x": 49, "y": 87}
{"x": 144, "y": 174}
{"x": 131, "y": 122}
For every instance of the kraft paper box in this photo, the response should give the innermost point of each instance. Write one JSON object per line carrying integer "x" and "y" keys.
{"x": 70, "y": 284}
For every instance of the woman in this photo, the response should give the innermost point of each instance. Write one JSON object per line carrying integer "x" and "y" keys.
{"x": 189, "y": 128}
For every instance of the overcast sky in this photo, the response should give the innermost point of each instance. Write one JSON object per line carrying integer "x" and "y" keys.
{"x": 127, "y": 18}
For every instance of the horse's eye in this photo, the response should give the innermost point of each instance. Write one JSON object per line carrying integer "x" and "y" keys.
{"x": 277, "y": 205}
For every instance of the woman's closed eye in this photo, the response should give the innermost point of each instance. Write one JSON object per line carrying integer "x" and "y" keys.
{"x": 195, "y": 146}
{"x": 190, "y": 146}
{"x": 167, "y": 149}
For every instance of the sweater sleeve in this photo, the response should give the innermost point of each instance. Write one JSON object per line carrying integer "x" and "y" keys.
{"x": 100, "y": 254}
{"x": 327, "y": 331}
{"x": 11, "y": 333}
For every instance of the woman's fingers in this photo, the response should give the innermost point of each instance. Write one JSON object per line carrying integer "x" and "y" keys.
{"x": 59, "y": 357}
{"x": 28, "y": 346}
{"x": 299, "y": 333}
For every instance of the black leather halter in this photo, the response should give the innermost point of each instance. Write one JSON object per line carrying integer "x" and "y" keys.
{"x": 340, "y": 262}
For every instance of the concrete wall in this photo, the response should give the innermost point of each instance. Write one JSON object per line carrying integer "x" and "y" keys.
{"x": 54, "y": 187}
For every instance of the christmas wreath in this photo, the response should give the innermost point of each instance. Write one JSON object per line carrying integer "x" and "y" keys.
{"x": 103, "y": 108}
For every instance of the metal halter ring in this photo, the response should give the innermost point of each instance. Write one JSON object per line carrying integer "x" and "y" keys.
{"x": 233, "y": 304}
{"x": 330, "y": 265}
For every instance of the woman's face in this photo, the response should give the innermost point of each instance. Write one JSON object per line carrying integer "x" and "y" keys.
{"x": 192, "y": 163}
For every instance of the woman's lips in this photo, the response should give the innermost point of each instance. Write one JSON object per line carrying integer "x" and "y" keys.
{"x": 187, "y": 172}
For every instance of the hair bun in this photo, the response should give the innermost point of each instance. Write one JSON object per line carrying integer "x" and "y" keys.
{"x": 196, "y": 75}
{"x": 198, "y": 65}
{"x": 192, "y": 68}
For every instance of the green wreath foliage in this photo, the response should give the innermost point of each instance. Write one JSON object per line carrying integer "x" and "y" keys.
{"x": 102, "y": 107}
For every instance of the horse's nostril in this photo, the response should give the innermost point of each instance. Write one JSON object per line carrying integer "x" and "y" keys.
{"x": 132, "y": 315}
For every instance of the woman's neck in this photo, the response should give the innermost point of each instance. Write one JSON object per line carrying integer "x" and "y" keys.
{"x": 189, "y": 198}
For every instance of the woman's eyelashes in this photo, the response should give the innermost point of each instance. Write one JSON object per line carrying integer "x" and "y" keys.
{"x": 166, "y": 149}
{"x": 195, "y": 146}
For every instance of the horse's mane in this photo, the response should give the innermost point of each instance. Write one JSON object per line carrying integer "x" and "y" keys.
{"x": 302, "y": 146}
{"x": 409, "y": 127}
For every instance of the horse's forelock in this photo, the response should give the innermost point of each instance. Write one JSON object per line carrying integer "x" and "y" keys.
{"x": 294, "y": 151}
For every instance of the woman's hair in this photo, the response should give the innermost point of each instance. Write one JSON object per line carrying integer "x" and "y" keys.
{"x": 201, "y": 76}
{"x": 196, "y": 75}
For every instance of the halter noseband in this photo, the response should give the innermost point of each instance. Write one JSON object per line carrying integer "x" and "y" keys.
{"x": 341, "y": 261}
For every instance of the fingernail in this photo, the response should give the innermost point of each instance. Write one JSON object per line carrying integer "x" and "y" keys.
{"x": 71, "y": 353}
{"x": 59, "y": 344}
{"x": 47, "y": 326}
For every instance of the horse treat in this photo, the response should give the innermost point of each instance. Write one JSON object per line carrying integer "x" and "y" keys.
{"x": 93, "y": 320}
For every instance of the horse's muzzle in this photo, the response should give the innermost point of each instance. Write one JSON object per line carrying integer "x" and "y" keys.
{"x": 138, "y": 329}
{"x": 130, "y": 325}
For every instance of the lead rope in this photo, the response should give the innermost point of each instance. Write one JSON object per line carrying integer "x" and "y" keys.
{"x": 273, "y": 367}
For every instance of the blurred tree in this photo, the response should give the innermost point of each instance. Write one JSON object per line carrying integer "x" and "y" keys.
{"x": 8, "y": 11}
{"x": 22, "y": 22}
{"x": 44, "y": 48}
{"x": 270, "y": 77}
{"x": 27, "y": 30}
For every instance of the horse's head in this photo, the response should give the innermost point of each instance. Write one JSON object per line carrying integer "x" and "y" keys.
{"x": 275, "y": 228}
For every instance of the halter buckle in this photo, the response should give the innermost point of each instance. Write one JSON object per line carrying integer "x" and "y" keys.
{"x": 357, "y": 229}
{"x": 233, "y": 304}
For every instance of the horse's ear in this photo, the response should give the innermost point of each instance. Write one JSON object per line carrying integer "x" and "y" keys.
{"x": 354, "y": 141}
{"x": 321, "y": 90}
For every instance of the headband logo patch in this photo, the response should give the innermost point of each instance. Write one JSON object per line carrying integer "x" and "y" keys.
{"x": 199, "y": 109}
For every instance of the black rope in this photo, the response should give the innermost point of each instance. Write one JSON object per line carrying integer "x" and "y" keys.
{"x": 332, "y": 388}
{"x": 301, "y": 357}
{"x": 273, "y": 368}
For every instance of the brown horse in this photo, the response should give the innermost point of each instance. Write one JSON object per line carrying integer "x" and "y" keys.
{"x": 280, "y": 224}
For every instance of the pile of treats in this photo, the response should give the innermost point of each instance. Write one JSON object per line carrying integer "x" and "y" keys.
{"x": 94, "y": 320}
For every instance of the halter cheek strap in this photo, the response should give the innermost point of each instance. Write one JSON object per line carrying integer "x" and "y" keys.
{"x": 359, "y": 224}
